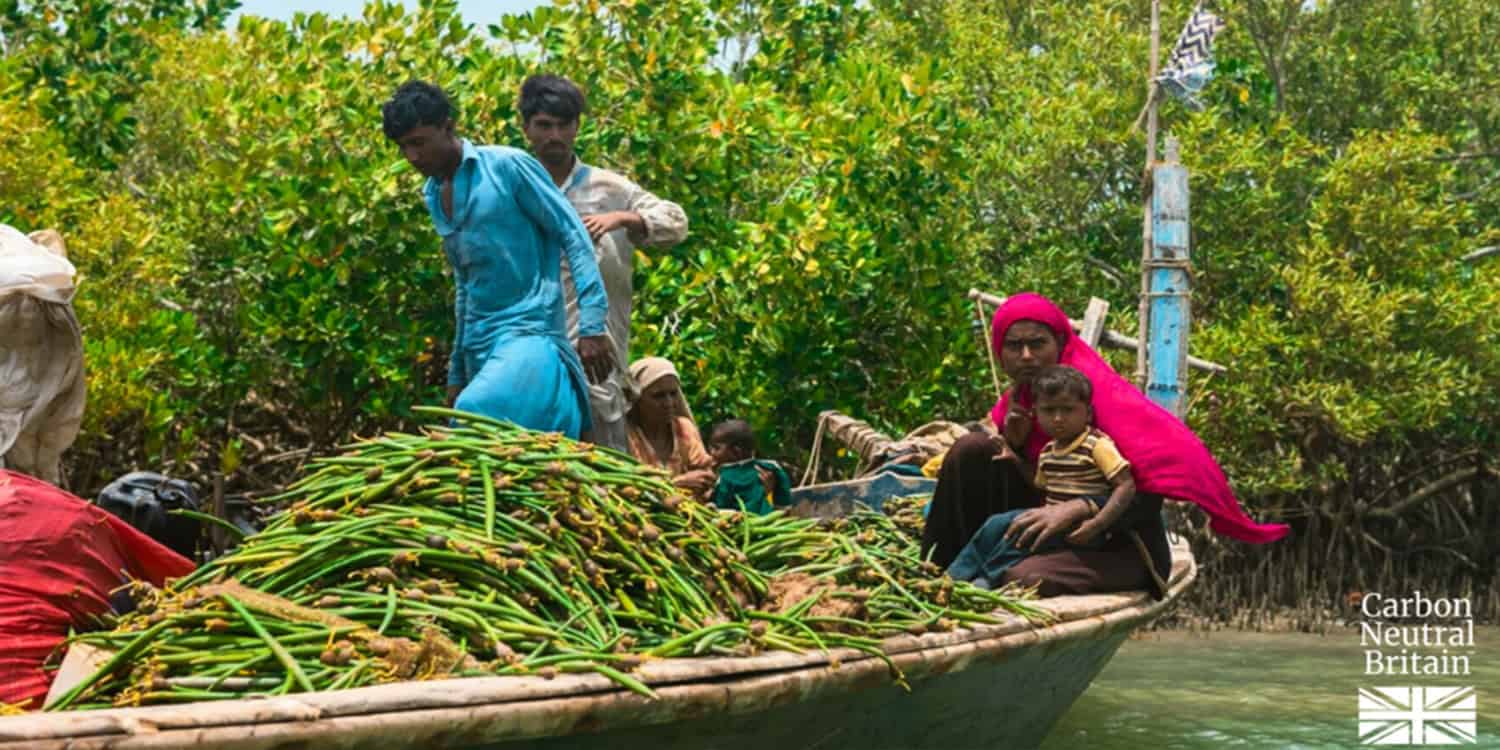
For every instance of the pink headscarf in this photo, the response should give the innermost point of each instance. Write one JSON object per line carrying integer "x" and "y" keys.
{"x": 1166, "y": 457}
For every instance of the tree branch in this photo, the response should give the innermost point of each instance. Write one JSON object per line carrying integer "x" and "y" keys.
{"x": 1483, "y": 252}
{"x": 1465, "y": 156}
{"x": 1448, "y": 482}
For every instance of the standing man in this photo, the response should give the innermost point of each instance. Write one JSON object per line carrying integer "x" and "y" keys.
{"x": 619, "y": 216}
{"x": 505, "y": 227}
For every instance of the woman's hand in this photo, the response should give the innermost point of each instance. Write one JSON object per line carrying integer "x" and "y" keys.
{"x": 1034, "y": 527}
{"x": 1003, "y": 451}
{"x": 697, "y": 481}
{"x": 1087, "y": 531}
{"x": 1017, "y": 426}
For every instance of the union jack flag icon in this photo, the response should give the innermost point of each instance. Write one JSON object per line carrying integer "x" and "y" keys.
{"x": 1417, "y": 716}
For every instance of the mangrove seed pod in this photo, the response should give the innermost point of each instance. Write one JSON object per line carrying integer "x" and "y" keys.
{"x": 409, "y": 523}
{"x": 216, "y": 624}
{"x": 330, "y": 600}
{"x": 505, "y": 653}
{"x": 547, "y": 673}
{"x": 516, "y": 549}
{"x": 408, "y": 557}
{"x": 437, "y": 541}
{"x": 650, "y": 533}
{"x": 373, "y": 473}
{"x": 758, "y": 628}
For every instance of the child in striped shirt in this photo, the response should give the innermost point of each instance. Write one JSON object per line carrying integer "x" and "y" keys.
{"x": 1080, "y": 463}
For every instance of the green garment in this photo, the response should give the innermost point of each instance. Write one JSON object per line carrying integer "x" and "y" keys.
{"x": 745, "y": 482}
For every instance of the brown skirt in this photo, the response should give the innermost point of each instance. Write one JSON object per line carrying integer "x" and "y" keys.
{"x": 972, "y": 486}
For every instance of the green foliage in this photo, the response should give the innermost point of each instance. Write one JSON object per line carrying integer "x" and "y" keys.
{"x": 849, "y": 171}
{"x": 82, "y": 62}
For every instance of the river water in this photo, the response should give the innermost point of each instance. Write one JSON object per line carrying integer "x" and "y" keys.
{"x": 1184, "y": 691}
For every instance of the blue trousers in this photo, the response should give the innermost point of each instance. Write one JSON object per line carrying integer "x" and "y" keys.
{"x": 989, "y": 555}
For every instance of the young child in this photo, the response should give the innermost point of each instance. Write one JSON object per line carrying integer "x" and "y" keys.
{"x": 756, "y": 484}
{"x": 1080, "y": 463}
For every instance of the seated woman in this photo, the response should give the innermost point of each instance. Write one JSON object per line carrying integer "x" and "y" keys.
{"x": 661, "y": 428}
{"x": 61, "y": 562}
{"x": 985, "y": 473}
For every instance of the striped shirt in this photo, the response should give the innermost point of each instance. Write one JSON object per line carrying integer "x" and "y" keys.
{"x": 1083, "y": 468}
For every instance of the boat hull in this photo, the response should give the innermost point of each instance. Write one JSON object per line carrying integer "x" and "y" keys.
{"x": 996, "y": 699}
{"x": 1001, "y": 685}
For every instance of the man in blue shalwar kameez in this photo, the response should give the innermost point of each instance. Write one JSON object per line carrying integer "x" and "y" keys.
{"x": 505, "y": 226}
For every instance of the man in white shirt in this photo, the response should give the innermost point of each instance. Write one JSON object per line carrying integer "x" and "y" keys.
{"x": 619, "y": 216}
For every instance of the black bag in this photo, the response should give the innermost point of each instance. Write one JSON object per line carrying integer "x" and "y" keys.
{"x": 143, "y": 499}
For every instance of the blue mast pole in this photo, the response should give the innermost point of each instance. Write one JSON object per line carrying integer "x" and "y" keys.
{"x": 1170, "y": 312}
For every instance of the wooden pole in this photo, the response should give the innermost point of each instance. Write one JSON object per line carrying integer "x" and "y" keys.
{"x": 1141, "y": 355}
{"x": 1170, "y": 312}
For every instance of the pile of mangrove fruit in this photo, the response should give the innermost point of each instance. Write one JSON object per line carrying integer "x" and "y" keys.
{"x": 477, "y": 548}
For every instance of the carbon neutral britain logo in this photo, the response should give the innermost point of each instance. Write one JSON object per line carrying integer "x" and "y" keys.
{"x": 1439, "y": 643}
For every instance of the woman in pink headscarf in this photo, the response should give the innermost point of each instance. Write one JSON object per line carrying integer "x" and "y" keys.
{"x": 985, "y": 473}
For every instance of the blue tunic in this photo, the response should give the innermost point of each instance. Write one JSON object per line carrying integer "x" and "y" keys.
{"x": 505, "y": 240}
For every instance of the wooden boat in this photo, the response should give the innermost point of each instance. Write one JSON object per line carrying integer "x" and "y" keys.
{"x": 998, "y": 686}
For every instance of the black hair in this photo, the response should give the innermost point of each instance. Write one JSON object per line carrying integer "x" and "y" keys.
{"x": 1058, "y": 380}
{"x": 735, "y": 433}
{"x": 415, "y": 104}
{"x": 554, "y": 95}
{"x": 145, "y": 500}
